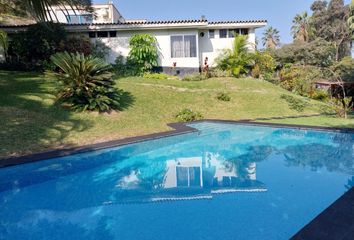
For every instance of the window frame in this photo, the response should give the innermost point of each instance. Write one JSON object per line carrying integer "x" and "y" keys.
{"x": 226, "y": 31}
{"x": 213, "y": 35}
{"x": 184, "y": 49}
{"x": 98, "y": 34}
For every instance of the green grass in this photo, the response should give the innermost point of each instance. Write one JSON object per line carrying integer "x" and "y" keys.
{"x": 31, "y": 122}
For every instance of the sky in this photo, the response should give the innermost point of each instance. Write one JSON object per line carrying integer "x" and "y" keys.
{"x": 279, "y": 13}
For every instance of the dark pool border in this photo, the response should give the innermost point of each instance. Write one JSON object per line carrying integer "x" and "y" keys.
{"x": 179, "y": 128}
{"x": 336, "y": 222}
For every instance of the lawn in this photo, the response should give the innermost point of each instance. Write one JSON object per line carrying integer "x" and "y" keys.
{"x": 31, "y": 122}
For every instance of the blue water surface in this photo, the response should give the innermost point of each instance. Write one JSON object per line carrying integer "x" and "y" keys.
{"x": 224, "y": 182}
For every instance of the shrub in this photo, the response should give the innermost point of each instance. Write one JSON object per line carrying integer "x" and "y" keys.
{"x": 216, "y": 72}
{"x": 36, "y": 44}
{"x": 119, "y": 66}
{"x": 194, "y": 77}
{"x": 294, "y": 103}
{"x": 341, "y": 106}
{"x": 299, "y": 79}
{"x": 85, "y": 83}
{"x": 158, "y": 76}
{"x": 345, "y": 69}
{"x": 188, "y": 115}
{"x": 264, "y": 65}
{"x": 319, "y": 94}
{"x": 238, "y": 60}
{"x": 81, "y": 44}
{"x": 223, "y": 97}
{"x": 143, "y": 53}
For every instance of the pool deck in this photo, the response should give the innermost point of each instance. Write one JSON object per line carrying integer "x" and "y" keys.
{"x": 336, "y": 222}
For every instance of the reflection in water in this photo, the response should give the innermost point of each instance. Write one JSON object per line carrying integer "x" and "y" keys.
{"x": 191, "y": 178}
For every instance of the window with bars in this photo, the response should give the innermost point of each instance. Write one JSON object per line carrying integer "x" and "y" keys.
{"x": 211, "y": 33}
{"x": 184, "y": 46}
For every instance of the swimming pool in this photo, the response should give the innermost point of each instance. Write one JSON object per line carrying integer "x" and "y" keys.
{"x": 226, "y": 181}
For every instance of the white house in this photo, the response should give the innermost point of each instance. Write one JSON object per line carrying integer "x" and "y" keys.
{"x": 184, "y": 45}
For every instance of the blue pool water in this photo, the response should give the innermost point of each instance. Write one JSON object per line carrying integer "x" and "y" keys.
{"x": 224, "y": 182}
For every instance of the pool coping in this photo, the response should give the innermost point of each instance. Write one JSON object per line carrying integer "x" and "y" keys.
{"x": 179, "y": 128}
{"x": 336, "y": 222}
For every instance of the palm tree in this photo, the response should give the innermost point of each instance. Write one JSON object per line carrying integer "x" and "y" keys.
{"x": 237, "y": 60}
{"x": 271, "y": 38}
{"x": 301, "y": 27}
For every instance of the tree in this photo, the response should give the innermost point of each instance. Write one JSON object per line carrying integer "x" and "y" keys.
{"x": 238, "y": 60}
{"x": 301, "y": 28}
{"x": 143, "y": 52}
{"x": 271, "y": 38}
{"x": 329, "y": 22}
{"x": 351, "y": 18}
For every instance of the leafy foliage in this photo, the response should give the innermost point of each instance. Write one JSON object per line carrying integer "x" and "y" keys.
{"x": 317, "y": 53}
{"x": 158, "y": 76}
{"x": 143, "y": 53}
{"x": 329, "y": 21}
{"x": 85, "y": 83}
{"x": 195, "y": 77}
{"x": 99, "y": 49}
{"x": 188, "y": 115}
{"x": 264, "y": 65}
{"x": 302, "y": 28}
{"x": 271, "y": 38}
{"x": 238, "y": 60}
{"x": 4, "y": 44}
{"x": 345, "y": 69}
{"x": 80, "y": 44}
{"x": 294, "y": 103}
{"x": 222, "y": 96}
{"x": 341, "y": 106}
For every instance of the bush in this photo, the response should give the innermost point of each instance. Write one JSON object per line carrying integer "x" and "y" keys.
{"x": 299, "y": 79}
{"x": 341, "y": 106}
{"x": 36, "y": 44}
{"x": 316, "y": 53}
{"x": 294, "y": 103}
{"x": 319, "y": 94}
{"x": 119, "y": 66}
{"x": 264, "y": 65}
{"x": 345, "y": 69}
{"x": 238, "y": 60}
{"x": 194, "y": 77}
{"x": 143, "y": 53}
{"x": 158, "y": 76}
{"x": 216, "y": 72}
{"x": 188, "y": 115}
{"x": 81, "y": 44}
{"x": 223, "y": 97}
{"x": 85, "y": 83}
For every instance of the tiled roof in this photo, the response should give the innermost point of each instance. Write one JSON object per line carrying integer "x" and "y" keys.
{"x": 155, "y": 23}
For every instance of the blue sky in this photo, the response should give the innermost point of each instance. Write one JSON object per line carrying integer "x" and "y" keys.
{"x": 279, "y": 13}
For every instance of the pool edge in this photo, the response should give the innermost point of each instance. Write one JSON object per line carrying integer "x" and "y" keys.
{"x": 179, "y": 128}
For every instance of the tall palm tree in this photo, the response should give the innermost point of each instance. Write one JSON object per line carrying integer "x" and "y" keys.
{"x": 238, "y": 60}
{"x": 271, "y": 38}
{"x": 301, "y": 27}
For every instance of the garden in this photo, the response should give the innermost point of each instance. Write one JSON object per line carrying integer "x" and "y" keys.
{"x": 58, "y": 91}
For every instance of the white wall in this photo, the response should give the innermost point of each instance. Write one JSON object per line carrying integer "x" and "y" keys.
{"x": 213, "y": 47}
{"x": 120, "y": 46}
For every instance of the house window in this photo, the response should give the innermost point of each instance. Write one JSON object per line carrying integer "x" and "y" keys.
{"x": 102, "y": 34}
{"x": 112, "y": 34}
{"x": 184, "y": 46}
{"x": 233, "y": 33}
{"x": 85, "y": 18}
{"x": 211, "y": 33}
{"x": 92, "y": 34}
{"x": 244, "y": 31}
{"x": 223, "y": 33}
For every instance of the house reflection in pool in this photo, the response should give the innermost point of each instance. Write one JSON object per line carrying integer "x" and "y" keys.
{"x": 192, "y": 178}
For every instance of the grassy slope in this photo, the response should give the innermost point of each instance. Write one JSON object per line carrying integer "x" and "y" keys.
{"x": 31, "y": 122}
